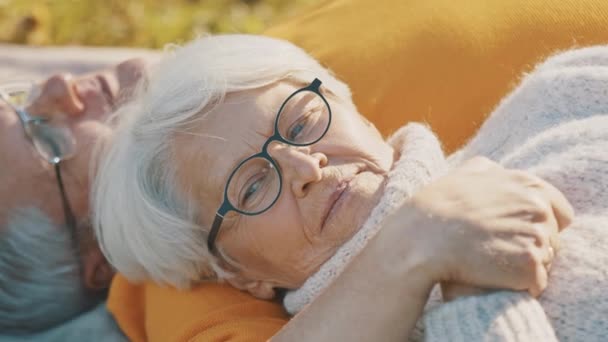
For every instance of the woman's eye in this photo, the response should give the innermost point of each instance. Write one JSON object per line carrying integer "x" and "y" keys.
{"x": 297, "y": 128}
{"x": 251, "y": 190}
{"x": 254, "y": 188}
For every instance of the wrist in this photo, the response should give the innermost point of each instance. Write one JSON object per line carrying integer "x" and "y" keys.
{"x": 407, "y": 256}
{"x": 430, "y": 237}
{"x": 388, "y": 275}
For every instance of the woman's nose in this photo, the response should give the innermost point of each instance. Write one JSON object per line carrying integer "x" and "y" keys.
{"x": 56, "y": 96}
{"x": 299, "y": 167}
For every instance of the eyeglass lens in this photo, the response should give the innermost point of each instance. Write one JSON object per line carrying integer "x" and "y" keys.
{"x": 53, "y": 141}
{"x": 256, "y": 183}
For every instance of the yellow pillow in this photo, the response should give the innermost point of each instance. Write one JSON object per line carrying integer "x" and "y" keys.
{"x": 445, "y": 62}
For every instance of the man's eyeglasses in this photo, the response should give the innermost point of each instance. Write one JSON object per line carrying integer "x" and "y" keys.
{"x": 54, "y": 142}
{"x": 255, "y": 184}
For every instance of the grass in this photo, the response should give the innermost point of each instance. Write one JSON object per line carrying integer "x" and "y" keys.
{"x": 142, "y": 23}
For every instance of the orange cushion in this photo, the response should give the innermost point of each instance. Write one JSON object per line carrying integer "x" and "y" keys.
{"x": 445, "y": 62}
{"x": 208, "y": 312}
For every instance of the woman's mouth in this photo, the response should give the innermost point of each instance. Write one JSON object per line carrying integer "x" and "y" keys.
{"x": 95, "y": 91}
{"x": 335, "y": 201}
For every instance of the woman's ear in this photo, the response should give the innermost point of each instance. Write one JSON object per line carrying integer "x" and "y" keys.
{"x": 257, "y": 288}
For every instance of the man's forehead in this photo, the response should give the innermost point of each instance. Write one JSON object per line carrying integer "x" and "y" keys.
{"x": 12, "y": 135}
{"x": 7, "y": 115}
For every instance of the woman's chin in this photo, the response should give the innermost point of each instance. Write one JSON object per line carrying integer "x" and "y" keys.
{"x": 354, "y": 207}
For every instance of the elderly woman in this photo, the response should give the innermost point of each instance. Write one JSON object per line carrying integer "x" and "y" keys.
{"x": 244, "y": 160}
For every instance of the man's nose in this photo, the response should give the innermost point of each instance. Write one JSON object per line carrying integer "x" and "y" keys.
{"x": 130, "y": 71}
{"x": 299, "y": 167}
{"x": 56, "y": 96}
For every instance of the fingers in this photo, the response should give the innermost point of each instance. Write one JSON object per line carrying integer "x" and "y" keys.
{"x": 562, "y": 209}
{"x": 560, "y": 206}
{"x": 518, "y": 224}
{"x": 552, "y": 229}
{"x": 546, "y": 232}
{"x": 541, "y": 265}
{"x": 540, "y": 282}
{"x": 541, "y": 277}
{"x": 532, "y": 262}
{"x": 553, "y": 210}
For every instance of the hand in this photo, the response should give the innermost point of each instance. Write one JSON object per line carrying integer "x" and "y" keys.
{"x": 490, "y": 227}
{"x": 451, "y": 291}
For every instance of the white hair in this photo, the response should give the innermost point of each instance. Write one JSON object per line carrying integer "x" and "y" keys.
{"x": 41, "y": 282}
{"x": 146, "y": 226}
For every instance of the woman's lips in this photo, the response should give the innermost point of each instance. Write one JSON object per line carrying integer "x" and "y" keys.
{"x": 335, "y": 201}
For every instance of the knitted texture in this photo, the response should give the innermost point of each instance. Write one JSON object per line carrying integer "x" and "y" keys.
{"x": 554, "y": 125}
{"x": 421, "y": 160}
{"x": 496, "y": 317}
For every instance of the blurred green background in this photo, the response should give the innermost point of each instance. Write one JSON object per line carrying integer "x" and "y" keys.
{"x": 142, "y": 23}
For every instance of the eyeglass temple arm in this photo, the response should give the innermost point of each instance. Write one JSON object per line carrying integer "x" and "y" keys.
{"x": 70, "y": 220}
{"x": 215, "y": 229}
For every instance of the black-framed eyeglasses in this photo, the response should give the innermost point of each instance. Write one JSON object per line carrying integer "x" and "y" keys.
{"x": 54, "y": 142}
{"x": 255, "y": 184}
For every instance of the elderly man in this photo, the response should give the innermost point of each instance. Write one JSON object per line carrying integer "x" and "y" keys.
{"x": 53, "y": 277}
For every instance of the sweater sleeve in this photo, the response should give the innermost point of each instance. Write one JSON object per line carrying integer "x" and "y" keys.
{"x": 566, "y": 87}
{"x": 589, "y": 56}
{"x": 501, "y": 316}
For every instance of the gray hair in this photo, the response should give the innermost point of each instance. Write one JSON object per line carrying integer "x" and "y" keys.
{"x": 40, "y": 277}
{"x": 146, "y": 226}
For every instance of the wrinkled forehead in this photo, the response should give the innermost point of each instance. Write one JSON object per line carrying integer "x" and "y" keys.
{"x": 17, "y": 157}
{"x": 226, "y": 134}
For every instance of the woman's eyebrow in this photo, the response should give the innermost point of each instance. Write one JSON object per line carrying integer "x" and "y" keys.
{"x": 252, "y": 148}
{"x": 254, "y": 141}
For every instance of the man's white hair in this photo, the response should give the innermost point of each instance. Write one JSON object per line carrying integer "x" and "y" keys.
{"x": 146, "y": 226}
{"x": 41, "y": 282}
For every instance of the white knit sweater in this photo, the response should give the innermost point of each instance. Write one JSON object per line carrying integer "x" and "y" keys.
{"x": 555, "y": 124}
